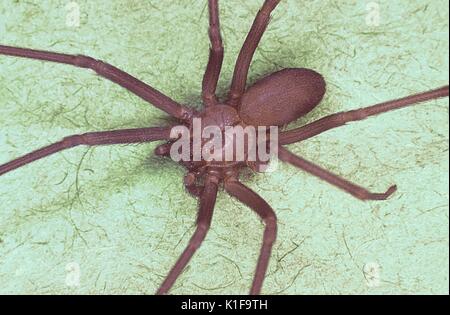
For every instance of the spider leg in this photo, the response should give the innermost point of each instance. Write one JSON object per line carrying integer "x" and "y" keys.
{"x": 206, "y": 208}
{"x": 190, "y": 180}
{"x": 163, "y": 149}
{"x": 340, "y": 119}
{"x": 214, "y": 67}
{"x": 92, "y": 138}
{"x": 109, "y": 72}
{"x": 248, "y": 50}
{"x": 195, "y": 191}
{"x": 355, "y": 190}
{"x": 191, "y": 185}
{"x": 263, "y": 209}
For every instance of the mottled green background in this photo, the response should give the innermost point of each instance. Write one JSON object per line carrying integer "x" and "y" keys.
{"x": 123, "y": 216}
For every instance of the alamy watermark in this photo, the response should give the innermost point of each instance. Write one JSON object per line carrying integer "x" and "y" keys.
{"x": 373, "y": 16}
{"x": 372, "y": 274}
{"x": 227, "y": 144}
{"x": 72, "y": 14}
{"x": 73, "y": 274}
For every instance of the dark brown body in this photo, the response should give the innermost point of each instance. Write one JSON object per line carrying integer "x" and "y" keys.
{"x": 275, "y": 100}
{"x": 282, "y": 97}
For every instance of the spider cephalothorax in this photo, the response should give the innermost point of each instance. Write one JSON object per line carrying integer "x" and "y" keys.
{"x": 275, "y": 100}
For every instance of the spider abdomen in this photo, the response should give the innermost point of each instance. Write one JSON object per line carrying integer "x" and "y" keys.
{"x": 282, "y": 97}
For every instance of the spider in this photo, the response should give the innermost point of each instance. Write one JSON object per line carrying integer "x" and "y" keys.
{"x": 276, "y": 100}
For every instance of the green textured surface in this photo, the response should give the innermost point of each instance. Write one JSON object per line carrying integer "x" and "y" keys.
{"x": 123, "y": 215}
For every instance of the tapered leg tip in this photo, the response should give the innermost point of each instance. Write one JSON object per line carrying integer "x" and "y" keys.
{"x": 383, "y": 196}
{"x": 391, "y": 190}
{"x": 388, "y": 193}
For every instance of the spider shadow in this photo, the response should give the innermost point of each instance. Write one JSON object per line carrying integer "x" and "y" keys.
{"x": 116, "y": 178}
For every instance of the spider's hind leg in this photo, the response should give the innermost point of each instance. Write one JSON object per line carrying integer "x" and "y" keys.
{"x": 335, "y": 180}
{"x": 266, "y": 213}
{"x": 206, "y": 208}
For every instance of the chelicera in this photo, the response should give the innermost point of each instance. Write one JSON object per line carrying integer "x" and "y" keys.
{"x": 275, "y": 100}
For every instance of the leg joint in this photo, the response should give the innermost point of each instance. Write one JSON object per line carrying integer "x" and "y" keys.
{"x": 199, "y": 235}
{"x": 209, "y": 98}
{"x": 217, "y": 48}
{"x": 91, "y": 63}
{"x": 270, "y": 221}
{"x": 84, "y": 61}
{"x": 74, "y": 140}
{"x": 270, "y": 232}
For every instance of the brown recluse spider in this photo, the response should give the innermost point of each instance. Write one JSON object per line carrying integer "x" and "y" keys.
{"x": 275, "y": 100}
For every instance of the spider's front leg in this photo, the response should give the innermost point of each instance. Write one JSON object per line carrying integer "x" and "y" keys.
{"x": 248, "y": 50}
{"x": 109, "y": 72}
{"x": 215, "y": 61}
